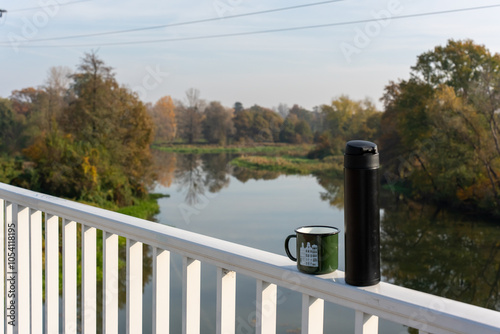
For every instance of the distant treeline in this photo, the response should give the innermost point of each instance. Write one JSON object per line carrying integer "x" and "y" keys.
{"x": 198, "y": 120}
{"x": 84, "y": 136}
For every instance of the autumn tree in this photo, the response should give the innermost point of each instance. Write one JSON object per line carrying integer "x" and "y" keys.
{"x": 163, "y": 116}
{"x": 346, "y": 119}
{"x": 266, "y": 125}
{"x": 218, "y": 127}
{"x": 99, "y": 148}
{"x": 446, "y": 122}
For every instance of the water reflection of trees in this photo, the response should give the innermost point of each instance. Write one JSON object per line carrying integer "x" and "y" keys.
{"x": 165, "y": 163}
{"x": 334, "y": 189}
{"x": 216, "y": 168}
{"x": 189, "y": 177}
{"x": 244, "y": 174}
{"x": 423, "y": 248}
{"x": 432, "y": 250}
{"x": 196, "y": 174}
{"x": 442, "y": 253}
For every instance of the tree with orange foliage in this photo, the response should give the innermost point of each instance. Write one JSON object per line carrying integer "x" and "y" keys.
{"x": 163, "y": 115}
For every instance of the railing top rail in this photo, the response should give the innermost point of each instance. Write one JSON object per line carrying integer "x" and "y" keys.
{"x": 409, "y": 307}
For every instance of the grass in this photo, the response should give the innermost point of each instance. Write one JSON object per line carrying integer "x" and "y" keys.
{"x": 284, "y": 158}
{"x": 144, "y": 209}
{"x": 287, "y": 164}
{"x": 269, "y": 149}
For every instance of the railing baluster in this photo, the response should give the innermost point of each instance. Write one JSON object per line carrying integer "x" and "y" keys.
{"x": 36, "y": 259}
{"x": 23, "y": 269}
{"x": 89, "y": 279}
{"x": 226, "y": 301}
{"x": 266, "y": 307}
{"x": 191, "y": 287}
{"x": 10, "y": 252}
{"x": 69, "y": 277}
{"x": 110, "y": 283}
{"x": 312, "y": 314}
{"x": 365, "y": 323}
{"x": 134, "y": 287}
{"x": 161, "y": 291}
{"x": 51, "y": 274}
{"x": 2, "y": 268}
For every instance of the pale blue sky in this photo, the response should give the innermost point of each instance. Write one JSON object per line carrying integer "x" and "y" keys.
{"x": 306, "y": 67}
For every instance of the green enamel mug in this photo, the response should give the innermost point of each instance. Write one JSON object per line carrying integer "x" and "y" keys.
{"x": 317, "y": 249}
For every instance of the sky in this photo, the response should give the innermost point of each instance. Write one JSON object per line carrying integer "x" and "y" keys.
{"x": 266, "y": 58}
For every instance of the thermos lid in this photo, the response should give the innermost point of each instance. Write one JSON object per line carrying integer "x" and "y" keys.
{"x": 361, "y": 154}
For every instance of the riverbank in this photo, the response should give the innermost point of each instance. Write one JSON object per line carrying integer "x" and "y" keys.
{"x": 262, "y": 149}
{"x": 289, "y": 165}
{"x": 145, "y": 208}
{"x": 284, "y": 158}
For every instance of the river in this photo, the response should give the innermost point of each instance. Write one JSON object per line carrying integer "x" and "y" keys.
{"x": 422, "y": 247}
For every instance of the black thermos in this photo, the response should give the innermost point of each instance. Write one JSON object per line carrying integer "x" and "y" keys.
{"x": 361, "y": 213}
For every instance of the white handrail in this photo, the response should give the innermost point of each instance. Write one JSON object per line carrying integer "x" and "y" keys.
{"x": 412, "y": 308}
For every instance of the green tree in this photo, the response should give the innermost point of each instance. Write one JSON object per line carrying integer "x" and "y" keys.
{"x": 218, "y": 125}
{"x": 257, "y": 124}
{"x": 90, "y": 115}
{"x": 304, "y": 124}
{"x": 287, "y": 133}
{"x": 266, "y": 125}
{"x": 295, "y": 130}
{"x": 7, "y": 135}
{"x": 470, "y": 165}
{"x": 303, "y": 132}
{"x": 31, "y": 108}
{"x": 62, "y": 165}
{"x": 261, "y": 130}
{"x": 406, "y": 128}
{"x": 238, "y": 106}
{"x": 301, "y": 113}
{"x": 458, "y": 64}
{"x": 441, "y": 126}
{"x": 243, "y": 124}
{"x": 346, "y": 119}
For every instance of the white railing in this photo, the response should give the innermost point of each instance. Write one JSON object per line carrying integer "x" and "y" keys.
{"x": 26, "y": 310}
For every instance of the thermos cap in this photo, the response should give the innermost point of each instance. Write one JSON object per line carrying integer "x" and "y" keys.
{"x": 361, "y": 154}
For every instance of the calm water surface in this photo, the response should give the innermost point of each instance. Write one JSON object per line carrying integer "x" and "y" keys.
{"x": 423, "y": 248}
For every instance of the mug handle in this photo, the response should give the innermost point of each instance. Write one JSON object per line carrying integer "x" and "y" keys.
{"x": 286, "y": 247}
